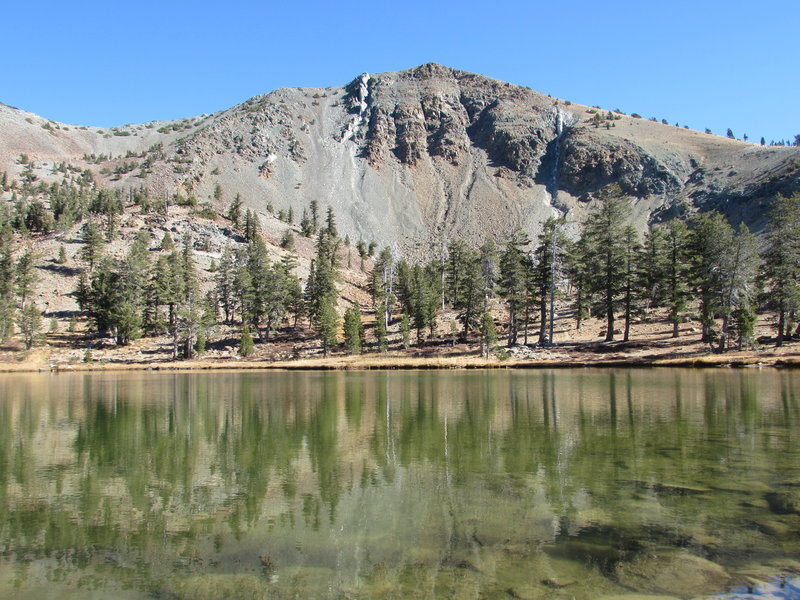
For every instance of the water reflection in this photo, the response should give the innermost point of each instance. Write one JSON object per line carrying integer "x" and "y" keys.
{"x": 378, "y": 485}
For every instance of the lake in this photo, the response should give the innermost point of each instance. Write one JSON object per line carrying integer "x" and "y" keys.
{"x": 507, "y": 484}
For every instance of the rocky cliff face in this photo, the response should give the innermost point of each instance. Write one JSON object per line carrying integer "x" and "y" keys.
{"x": 416, "y": 157}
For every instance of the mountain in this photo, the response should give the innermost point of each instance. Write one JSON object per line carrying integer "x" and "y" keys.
{"x": 416, "y": 157}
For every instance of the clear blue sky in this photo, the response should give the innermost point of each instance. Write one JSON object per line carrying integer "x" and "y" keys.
{"x": 704, "y": 63}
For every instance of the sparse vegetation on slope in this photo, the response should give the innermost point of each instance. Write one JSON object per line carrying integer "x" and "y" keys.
{"x": 492, "y": 202}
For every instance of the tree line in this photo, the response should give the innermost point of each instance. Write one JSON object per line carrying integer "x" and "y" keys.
{"x": 701, "y": 266}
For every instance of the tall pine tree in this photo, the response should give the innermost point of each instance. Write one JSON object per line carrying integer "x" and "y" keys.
{"x": 782, "y": 261}
{"x": 604, "y": 239}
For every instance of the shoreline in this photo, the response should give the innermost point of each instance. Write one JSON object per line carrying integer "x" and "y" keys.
{"x": 389, "y": 363}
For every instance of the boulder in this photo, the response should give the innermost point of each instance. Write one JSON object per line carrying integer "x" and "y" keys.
{"x": 784, "y": 502}
{"x": 674, "y": 573}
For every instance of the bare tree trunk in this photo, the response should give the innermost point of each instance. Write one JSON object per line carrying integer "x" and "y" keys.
{"x": 543, "y": 316}
{"x": 527, "y": 321}
{"x": 723, "y": 334}
{"x": 626, "y": 335}
{"x": 512, "y": 327}
{"x": 609, "y": 316}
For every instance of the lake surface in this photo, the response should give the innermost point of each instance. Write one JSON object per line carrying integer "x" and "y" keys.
{"x": 579, "y": 484}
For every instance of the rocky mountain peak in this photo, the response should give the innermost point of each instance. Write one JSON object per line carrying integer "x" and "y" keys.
{"x": 413, "y": 157}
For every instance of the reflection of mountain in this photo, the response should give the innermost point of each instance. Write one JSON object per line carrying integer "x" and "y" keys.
{"x": 345, "y": 472}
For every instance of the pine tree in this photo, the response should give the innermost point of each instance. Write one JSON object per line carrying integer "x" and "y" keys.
{"x": 380, "y": 329}
{"x": 550, "y": 257}
{"x": 314, "y": 210}
{"x": 126, "y": 321}
{"x": 710, "y": 239}
{"x": 246, "y": 347}
{"x": 405, "y": 330}
{"x": 453, "y": 270}
{"x": 276, "y": 293}
{"x": 305, "y": 225}
{"x": 603, "y": 233}
{"x": 189, "y": 315}
{"x": 513, "y": 273}
{"x": 6, "y": 282}
{"x": 532, "y": 296}
{"x": 167, "y": 244}
{"x": 25, "y": 277}
{"x": 244, "y": 289}
{"x": 295, "y": 303}
{"x": 224, "y": 282}
{"x": 158, "y": 293}
{"x": 326, "y": 323}
{"x": 454, "y": 333}
{"x": 653, "y": 269}
{"x": 321, "y": 294}
{"x": 469, "y": 295}
{"x": 353, "y": 330}
{"x": 259, "y": 278}
{"x": 782, "y": 261}
{"x": 115, "y": 294}
{"x": 29, "y": 322}
{"x": 630, "y": 277}
{"x": 490, "y": 269}
{"x": 252, "y": 228}
{"x": 330, "y": 223}
{"x": 234, "y": 214}
{"x": 421, "y": 302}
{"x": 488, "y": 334}
{"x": 208, "y": 319}
{"x": 361, "y": 247}
{"x": 677, "y": 272}
{"x": 739, "y": 269}
{"x": 382, "y": 285}
{"x": 92, "y": 248}
{"x": 287, "y": 240}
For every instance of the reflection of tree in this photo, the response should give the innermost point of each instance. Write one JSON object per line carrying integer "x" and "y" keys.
{"x": 421, "y": 432}
{"x": 354, "y": 401}
{"x": 323, "y": 437}
{"x": 169, "y": 465}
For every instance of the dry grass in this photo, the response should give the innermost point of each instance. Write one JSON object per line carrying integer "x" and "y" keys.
{"x": 651, "y": 344}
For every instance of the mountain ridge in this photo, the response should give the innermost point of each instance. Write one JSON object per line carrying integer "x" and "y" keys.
{"x": 414, "y": 158}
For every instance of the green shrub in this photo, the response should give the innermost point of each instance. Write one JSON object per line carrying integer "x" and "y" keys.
{"x": 246, "y": 346}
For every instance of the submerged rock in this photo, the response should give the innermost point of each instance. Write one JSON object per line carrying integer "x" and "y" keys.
{"x": 775, "y": 528}
{"x": 676, "y": 573}
{"x": 784, "y": 502}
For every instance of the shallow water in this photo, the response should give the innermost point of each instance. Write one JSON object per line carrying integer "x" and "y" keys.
{"x": 496, "y": 484}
